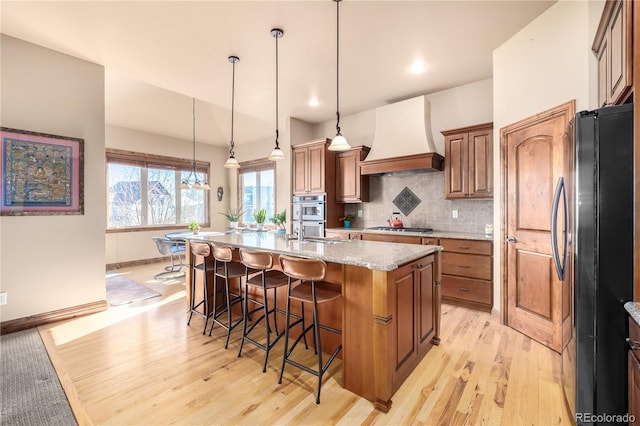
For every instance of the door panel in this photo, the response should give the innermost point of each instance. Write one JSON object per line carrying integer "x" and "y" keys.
{"x": 535, "y": 157}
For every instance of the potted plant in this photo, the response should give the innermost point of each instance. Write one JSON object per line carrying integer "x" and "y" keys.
{"x": 260, "y": 216}
{"x": 347, "y": 219}
{"x": 234, "y": 215}
{"x": 194, "y": 227}
{"x": 279, "y": 219}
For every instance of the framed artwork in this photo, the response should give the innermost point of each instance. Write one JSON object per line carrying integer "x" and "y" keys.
{"x": 41, "y": 174}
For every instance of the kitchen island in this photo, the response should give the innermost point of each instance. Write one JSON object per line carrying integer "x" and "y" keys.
{"x": 390, "y": 310}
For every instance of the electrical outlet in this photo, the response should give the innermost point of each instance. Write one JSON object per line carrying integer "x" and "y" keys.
{"x": 3, "y": 297}
{"x": 454, "y": 214}
{"x": 359, "y": 213}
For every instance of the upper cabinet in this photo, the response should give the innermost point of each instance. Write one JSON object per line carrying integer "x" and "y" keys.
{"x": 313, "y": 168}
{"x": 351, "y": 185}
{"x": 613, "y": 46}
{"x": 468, "y": 162}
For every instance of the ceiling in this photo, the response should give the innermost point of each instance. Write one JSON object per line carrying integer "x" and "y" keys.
{"x": 159, "y": 54}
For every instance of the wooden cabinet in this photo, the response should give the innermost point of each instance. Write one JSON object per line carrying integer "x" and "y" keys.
{"x": 351, "y": 185}
{"x": 613, "y": 47}
{"x": 634, "y": 371}
{"x": 414, "y": 315}
{"x": 468, "y": 162}
{"x": 313, "y": 168}
{"x": 467, "y": 273}
{"x": 392, "y": 238}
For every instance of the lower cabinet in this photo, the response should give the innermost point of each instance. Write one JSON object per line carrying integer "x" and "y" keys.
{"x": 406, "y": 239}
{"x": 467, "y": 273}
{"x": 634, "y": 372}
{"x": 414, "y": 315}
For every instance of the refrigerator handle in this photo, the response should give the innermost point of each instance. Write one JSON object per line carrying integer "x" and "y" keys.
{"x": 554, "y": 229}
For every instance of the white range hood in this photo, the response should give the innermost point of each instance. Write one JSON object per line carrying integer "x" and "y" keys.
{"x": 403, "y": 140}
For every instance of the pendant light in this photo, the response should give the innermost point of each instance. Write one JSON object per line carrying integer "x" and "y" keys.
{"x": 339, "y": 142}
{"x": 277, "y": 153}
{"x": 193, "y": 181}
{"x": 232, "y": 163}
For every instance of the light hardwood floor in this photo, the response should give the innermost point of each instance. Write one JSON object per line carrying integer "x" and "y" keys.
{"x": 140, "y": 364}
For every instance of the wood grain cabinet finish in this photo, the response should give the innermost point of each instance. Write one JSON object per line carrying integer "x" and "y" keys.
{"x": 633, "y": 369}
{"x": 351, "y": 185}
{"x": 468, "y": 162}
{"x": 613, "y": 47}
{"x": 344, "y": 235}
{"x": 406, "y": 239}
{"x": 467, "y": 273}
{"x": 313, "y": 168}
{"x": 415, "y": 322}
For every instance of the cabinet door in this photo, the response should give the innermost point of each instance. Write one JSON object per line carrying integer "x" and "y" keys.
{"x": 619, "y": 72}
{"x": 456, "y": 165}
{"x": 603, "y": 71}
{"x": 316, "y": 168}
{"x": 351, "y": 186}
{"x": 634, "y": 388}
{"x": 405, "y": 347}
{"x": 425, "y": 271}
{"x": 480, "y": 146}
{"x": 300, "y": 174}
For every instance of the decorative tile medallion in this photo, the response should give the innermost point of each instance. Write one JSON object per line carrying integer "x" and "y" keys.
{"x": 406, "y": 201}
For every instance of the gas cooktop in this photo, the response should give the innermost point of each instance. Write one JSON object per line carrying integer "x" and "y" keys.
{"x": 388, "y": 228}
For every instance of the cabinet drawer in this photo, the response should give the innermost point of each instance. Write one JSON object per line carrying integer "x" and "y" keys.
{"x": 467, "y": 265}
{"x": 634, "y": 335}
{"x": 467, "y": 246}
{"x": 467, "y": 289}
{"x": 407, "y": 239}
{"x": 430, "y": 242}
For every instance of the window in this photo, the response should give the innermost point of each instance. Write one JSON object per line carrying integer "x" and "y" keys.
{"x": 256, "y": 188}
{"x": 143, "y": 191}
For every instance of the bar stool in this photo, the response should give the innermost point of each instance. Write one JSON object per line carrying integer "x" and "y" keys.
{"x": 226, "y": 268}
{"x": 266, "y": 279}
{"x": 206, "y": 267}
{"x": 312, "y": 289}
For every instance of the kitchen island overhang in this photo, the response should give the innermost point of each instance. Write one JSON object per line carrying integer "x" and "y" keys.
{"x": 390, "y": 310}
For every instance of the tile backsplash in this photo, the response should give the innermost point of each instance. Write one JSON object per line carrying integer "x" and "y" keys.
{"x": 433, "y": 210}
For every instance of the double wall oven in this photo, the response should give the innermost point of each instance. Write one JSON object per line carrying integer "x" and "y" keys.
{"x": 309, "y": 211}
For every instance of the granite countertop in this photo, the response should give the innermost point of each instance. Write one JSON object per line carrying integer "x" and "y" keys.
{"x": 373, "y": 255}
{"x": 634, "y": 310}
{"x": 432, "y": 234}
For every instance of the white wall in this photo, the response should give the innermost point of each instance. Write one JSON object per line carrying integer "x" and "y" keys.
{"x": 130, "y": 246}
{"x": 547, "y": 63}
{"x": 452, "y": 108}
{"x": 54, "y": 262}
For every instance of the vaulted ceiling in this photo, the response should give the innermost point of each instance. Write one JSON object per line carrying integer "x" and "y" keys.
{"x": 159, "y": 54}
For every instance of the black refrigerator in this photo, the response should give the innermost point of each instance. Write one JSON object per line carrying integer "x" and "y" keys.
{"x": 594, "y": 362}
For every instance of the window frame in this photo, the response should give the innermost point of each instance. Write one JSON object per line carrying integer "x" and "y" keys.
{"x": 146, "y": 161}
{"x": 256, "y": 166}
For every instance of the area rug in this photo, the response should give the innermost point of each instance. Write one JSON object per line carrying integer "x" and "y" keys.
{"x": 30, "y": 391}
{"x": 122, "y": 290}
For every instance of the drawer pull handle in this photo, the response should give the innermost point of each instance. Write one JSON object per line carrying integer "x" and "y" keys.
{"x": 464, "y": 289}
{"x": 633, "y": 344}
{"x": 464, "y": 266}
{"x": 464, "y": 247}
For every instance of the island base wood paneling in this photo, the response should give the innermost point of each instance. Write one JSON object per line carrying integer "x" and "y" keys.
{"x": 389, "y": 321}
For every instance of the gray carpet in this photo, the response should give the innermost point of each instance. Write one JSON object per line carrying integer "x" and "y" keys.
{"x": 30, "y": 392}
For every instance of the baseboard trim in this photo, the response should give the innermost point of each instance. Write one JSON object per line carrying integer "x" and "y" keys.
{"x": 20, "y": 324}
{"x": 118, "y": 265}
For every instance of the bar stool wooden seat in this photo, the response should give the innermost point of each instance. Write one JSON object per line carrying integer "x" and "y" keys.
{"x": 226, "y": 267}
{"x": 265, "y": 279}
{"x": 201, "y": 249}
{"x": 312, "y": 289}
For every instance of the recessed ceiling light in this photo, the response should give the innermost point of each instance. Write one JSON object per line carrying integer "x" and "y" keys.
{"x": 314, "y": 102}
{"x": 418, "y": 67}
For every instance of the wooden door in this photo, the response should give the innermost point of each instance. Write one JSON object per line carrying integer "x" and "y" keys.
{"x": 315, "y": 167}
{"x": 300, "y": 185}
{"x": 535, "y": 156}
{"x": 456, "y": 166}
{"x": 481, "y": 164}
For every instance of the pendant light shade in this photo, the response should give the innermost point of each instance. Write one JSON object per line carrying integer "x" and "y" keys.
{"x": 277, "y": 153}
{"x": 339, "y": 142}
{"x": 232, "y": 163}
{"x": 193, "y": 180}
